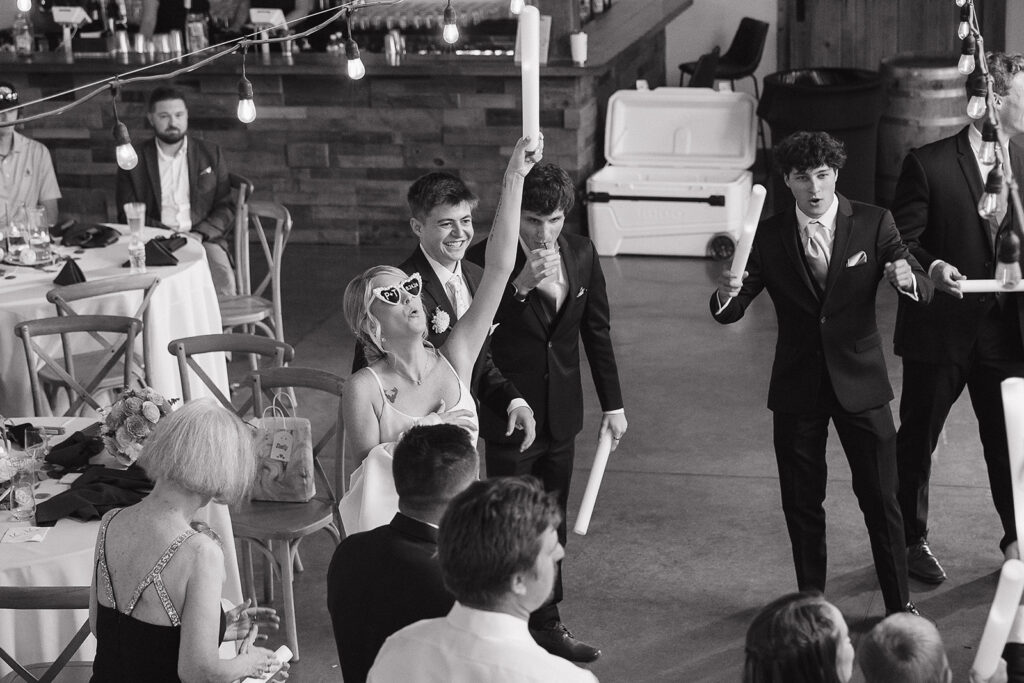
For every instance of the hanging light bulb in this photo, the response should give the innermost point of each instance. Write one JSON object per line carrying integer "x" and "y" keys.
{"x": 989, "y": 203}
{"x": 451, "y": 30}
{"x": 356, "y": 70}
{"x": 24, "y": 5}
{"x": 987, "y": 153}
{"x": 516, "y": 6}
{"x": 127, "y": 159}
{"x": 977, "y": 87}
{"x": 961, "y": 3}
{"x": 246, "y": 107}
{"x": 964, "y": 27}
{"x": 967, "y": 49}
{"x": 1008, "y": 260}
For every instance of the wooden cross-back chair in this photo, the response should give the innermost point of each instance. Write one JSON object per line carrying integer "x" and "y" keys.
{"x": 47, "y": 598}
{"x": 272, "y": 352}
{"x": 80, "y": 391}
{"x": 276, "y": 529}
{"x": 242, "y": 188}
{"x": 259, "y": 307}
{"x": 64, "y": 296}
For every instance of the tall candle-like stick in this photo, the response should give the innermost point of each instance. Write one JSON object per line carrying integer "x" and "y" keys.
{"x": 604, "y": 448}
{"x": 1013, "y": 410}
{"x": 747, "y": 231}
{"x": 529, "y": 51}
{"x": 1000, "y": 618}
{"x": 981, "y": 286}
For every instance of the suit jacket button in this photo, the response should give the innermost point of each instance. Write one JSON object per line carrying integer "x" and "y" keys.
{"x": 550, "y": 345}
{"x": 822, "y": 320}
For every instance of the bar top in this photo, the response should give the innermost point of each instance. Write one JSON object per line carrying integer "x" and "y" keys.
{"x": 625, "y": 23}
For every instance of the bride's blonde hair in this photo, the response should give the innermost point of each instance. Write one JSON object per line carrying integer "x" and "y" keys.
{"x": 356, "y": 305}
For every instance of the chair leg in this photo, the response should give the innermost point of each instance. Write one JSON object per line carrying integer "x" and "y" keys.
{"x": 248, "y": 575}
{"x": 298, "y": 562}
{"x": 268, "y": 575}
{"x": 285, "y": 560}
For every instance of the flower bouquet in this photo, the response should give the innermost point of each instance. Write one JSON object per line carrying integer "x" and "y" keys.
{"x": 130, "y": 420}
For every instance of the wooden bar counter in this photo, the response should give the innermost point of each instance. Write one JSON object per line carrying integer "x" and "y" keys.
{"x": 341, "y": 154}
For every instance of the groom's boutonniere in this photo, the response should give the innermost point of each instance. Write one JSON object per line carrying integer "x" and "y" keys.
{"x": 440, "y": 321}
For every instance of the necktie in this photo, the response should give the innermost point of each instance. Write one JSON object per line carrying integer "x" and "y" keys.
{"x": 457, "y": 295}
{"x": 817, "y": 252}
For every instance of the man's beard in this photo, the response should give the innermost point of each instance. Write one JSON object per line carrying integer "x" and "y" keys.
{"x": 170, "y": 136}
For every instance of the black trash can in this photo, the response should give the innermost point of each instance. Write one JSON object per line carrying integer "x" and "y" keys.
{"x": 845, "y": 103}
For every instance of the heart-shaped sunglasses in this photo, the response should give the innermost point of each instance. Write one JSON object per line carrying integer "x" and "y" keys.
{"x": 392, "y": 294}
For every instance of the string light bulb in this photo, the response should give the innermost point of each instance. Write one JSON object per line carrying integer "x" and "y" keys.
{"x": 977, "y": 87}
{"x": 451, "y": 30}
{"x": 516, "y": 6}
{"x": 24, "y": 5}
{"x": 1008, "y": 260}
{"x": 989, "y": 138}
{"x": 963, "y": 29}
{"x": 246, "y": 107}
{"x": 967, "y": 50}
{"x": 356, "y": 69}
{"x": 961, "y": 3}
{"x": 127, "y": 159}
{"x": 988, "y": 206}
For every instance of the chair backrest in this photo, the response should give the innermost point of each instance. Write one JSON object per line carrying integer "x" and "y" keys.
{"x": 704, "y": 72}
{"x": 45, "y": 598}
{"x": 80, "y": 390}
{"x": 270, "y": 224}
{"x": 273, "y": 353}
{"x": 62, "y": 297}
{"x": 242, "y": 188}
{"x": 264, "y": 383}
{"x": 747, "y": 46}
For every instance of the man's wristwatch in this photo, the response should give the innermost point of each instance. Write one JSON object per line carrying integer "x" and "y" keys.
{"x": 517, "y": 295}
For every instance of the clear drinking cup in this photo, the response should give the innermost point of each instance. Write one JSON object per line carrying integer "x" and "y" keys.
{"x": 135, "y": 212}
{"x": 23, "y": 494}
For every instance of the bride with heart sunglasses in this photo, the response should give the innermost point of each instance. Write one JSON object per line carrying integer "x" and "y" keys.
{"x": 409, "y": 382}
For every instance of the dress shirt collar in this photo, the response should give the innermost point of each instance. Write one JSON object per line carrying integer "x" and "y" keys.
{"x": 827, "y": 219}
{"x": 442, "y": 273}
{"x": 182, "y": 151}
{"x": 493, "y": 625}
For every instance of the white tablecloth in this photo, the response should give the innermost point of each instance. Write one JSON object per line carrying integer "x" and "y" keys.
{"x": 65, "y": 558}
{"x": 183, "y": 305}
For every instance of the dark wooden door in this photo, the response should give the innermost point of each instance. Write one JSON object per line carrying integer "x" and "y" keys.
{"x": 860, "y": 33}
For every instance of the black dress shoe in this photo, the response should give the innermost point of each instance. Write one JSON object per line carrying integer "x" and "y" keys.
{"x": 922, "y": 565}
{"x": 556, "y": 639}
{"x": 909, "y": 608}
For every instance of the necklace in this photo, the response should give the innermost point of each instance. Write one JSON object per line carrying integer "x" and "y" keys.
{"x": 402, "y": 373}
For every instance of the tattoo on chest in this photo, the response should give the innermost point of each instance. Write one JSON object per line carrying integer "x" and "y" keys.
{"x": 391, "y": 394}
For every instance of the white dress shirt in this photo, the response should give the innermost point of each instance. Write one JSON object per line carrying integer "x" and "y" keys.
{"x": 470, "y": 646}
{"x": 827, "y": 235}
{"x": 174, "y": 188}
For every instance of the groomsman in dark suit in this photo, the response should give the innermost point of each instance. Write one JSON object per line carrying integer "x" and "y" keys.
{"x": 972, "y": 340}
{"x": 555, "y": 297}
{"x": 382, "y": 580}
{"x": 821, "y": 262}
{"x": 441, "y": 210}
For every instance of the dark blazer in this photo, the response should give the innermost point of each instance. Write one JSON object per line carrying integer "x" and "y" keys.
{"x": 542, "y": 360}
{"x": 834, "y": 331}
{"x": 488, "y": 385}
{"x": 378, "y": 582}
{"x": 935, "y": 208}
{"x": 213, "y": 212}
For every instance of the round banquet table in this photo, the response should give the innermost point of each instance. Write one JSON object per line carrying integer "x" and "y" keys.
{"x": 65, "y": 558}
{"x": 184, "y": 304}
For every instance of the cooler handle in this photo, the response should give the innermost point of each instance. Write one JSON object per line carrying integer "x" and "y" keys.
{"x": 605, "y": 197}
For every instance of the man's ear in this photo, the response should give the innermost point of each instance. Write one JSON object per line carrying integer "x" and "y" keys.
{"x": 416, "y": 225}
{"x": 518, "y": 583}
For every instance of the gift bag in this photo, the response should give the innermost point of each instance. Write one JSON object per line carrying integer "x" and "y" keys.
{"x": 284, "y": 456}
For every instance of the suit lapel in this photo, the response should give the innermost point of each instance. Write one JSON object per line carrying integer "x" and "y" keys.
{"x": 149, "y": 155}
{"x": 975, "y": 183}
{"x": 794, "y": 250}
{"x": 192, "y": 159}
{"x": 840, "y": 243}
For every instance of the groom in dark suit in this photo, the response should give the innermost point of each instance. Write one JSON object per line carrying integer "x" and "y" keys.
{"x": 973, "y": 340}
{"x": 821, "y": 262}
{"x": 382, "y": 580}
{"x": 556, "y": 297}
{"x": 441, "y": 217}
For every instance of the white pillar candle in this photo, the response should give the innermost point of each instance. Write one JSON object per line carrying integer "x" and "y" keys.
{"x": 1013, "y": 410}
{"x": 1000, "y": 618}
{"x": 604, "y": 449}
{"x": 748, "y": 229}
{"x": 982, "y": 286}
{"x": 529, "y": 46}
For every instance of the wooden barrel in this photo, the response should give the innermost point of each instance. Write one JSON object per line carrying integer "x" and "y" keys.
{"x": 925, "y": 101}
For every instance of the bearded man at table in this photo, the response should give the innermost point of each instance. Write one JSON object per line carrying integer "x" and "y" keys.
{"x": 183, "y": 181}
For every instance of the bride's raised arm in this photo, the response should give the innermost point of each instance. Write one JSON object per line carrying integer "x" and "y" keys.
{"x": 467, "y": 337}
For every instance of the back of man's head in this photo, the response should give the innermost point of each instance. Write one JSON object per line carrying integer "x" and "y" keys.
{"x": 435, "y": 189}
{"x": 163, "y": 93}
{"x": 431, "y": 465}
{"x": 489, "y": 533}
{"x": 904, "y": 648}
{"x": 548, "y": 188}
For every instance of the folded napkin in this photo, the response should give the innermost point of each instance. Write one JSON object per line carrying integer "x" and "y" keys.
{"x": 96, "y": 492}
{"x": 75, "y": 450}
{"x": 70, "y": 274}
{"x": 16, "y": 433}
{"x": 171, "y": 243}
{"x": 158, "y": 252}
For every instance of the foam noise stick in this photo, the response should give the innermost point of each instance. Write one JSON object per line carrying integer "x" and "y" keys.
{"x": 1000, "y": 618}
{"x": 604, "y": 449}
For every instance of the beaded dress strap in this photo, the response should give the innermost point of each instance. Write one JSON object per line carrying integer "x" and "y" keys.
{"x": 155, "y": 577}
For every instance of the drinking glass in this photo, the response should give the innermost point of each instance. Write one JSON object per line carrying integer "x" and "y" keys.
{"x": 135, "y": 212}
{"x": 39, "y": 234}
{"x": 35, "y": 447}
{"x": 17, "y": 227}
{"x": 23, "y": 494}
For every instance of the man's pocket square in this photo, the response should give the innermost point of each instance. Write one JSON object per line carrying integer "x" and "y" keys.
{"x": 206, "y": 170}
{"x": 583, "y": 290}
{"x": 857, "y": 259}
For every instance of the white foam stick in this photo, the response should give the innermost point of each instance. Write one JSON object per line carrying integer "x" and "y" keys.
{"x": 1013, "y": 410}
{"x": 747, "y": 231}
{"x": 1000, "y": 618}
{"x": 604, "y": 449}
{"x": 529, "y": 37}
{"x": 982, "y": 286}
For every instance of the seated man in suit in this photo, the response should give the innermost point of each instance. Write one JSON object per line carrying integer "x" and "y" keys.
{"x": 183, "y": 181}
{"x": 499, "y": 553}
{"x": 382, "y": 580}
{"x": 26, "y": 170}
{"x": 441, "y": 216}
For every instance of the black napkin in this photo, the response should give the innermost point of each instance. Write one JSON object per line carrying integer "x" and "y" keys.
{"x": 70, "y": 274}
{"x": 171, "y": 243}
{"x": 16, "y": 433}
{"x": 75, "y": 450}
{"x": 158, "y": 253}
{"x": 94, "y": 493}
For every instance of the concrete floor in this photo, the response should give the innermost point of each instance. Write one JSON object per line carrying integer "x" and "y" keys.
{"x": 688, "y": 539}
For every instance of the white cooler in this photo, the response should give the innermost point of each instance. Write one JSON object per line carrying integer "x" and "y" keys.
{"x": 676, "y": 183}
